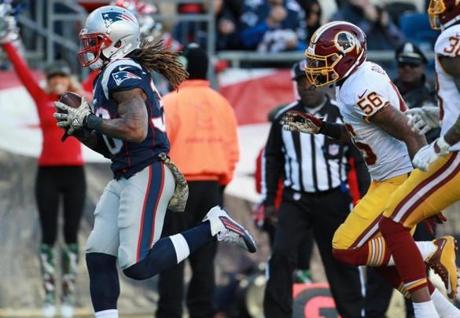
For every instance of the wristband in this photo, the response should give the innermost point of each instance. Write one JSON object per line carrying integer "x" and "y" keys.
{"x": 93, "y": 122}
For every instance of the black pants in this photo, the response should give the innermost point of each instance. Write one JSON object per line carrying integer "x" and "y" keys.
{"x": 323, "y": 213}
{"x": 305, "y": 246}
{"x": 378, "y": 294}
{"x": 54, "y": 184}
{"x": 203, "y": 195}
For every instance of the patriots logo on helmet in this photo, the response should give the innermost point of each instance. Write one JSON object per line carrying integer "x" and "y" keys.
{"x": 122, "y": 76}
{"x": 345, "y": 42}
{"x": 110, "y": 17}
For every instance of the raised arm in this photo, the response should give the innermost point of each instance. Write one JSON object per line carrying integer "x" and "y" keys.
{"x": 24, "y": 73}
{"x": 395, "y": 124}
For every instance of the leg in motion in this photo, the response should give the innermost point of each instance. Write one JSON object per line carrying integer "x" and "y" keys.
{"x": 101, "y": 253}
{"x": 423, "y": 195}
{"x": 142, "y": 254}
{"x": 104, "y": 284}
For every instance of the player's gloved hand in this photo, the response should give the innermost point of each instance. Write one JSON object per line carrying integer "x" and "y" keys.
{"x": 180, "y": 196}
{"x": 8, "y": 27}
{"x": 423, "y": 119}
{"x": 271, "y": 214}
{"x": 73, "y": 118}
{"x": 429, "y": 153}
{"x": 301, "y": 122}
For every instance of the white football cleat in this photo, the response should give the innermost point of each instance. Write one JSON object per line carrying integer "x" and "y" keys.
{"x": 49, "y": 310}
{"x": 228, "y": 230}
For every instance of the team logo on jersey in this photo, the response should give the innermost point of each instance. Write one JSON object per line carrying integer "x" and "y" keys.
{"x": 120, "y": 77}
{"x": 345, "y": 41}
{"x": 110, "y": 17}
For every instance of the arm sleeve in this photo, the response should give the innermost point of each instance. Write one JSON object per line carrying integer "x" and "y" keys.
{"x": 448, "y": 43}
{"x": 125, "y": 77}
{"x": 272, "y": 164}
{"x": 24, "y": 73}
{"x": 368, "y": 101}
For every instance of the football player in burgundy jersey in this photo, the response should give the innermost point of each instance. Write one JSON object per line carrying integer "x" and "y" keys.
{"x": 372, "y": 108}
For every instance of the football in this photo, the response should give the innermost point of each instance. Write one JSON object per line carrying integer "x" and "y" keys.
{"x": 70, "y": 99}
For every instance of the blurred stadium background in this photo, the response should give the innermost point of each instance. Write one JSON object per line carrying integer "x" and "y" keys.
{"x": 254, "y": 80}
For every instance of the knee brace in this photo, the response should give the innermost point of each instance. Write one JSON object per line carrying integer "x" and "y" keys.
{"x": 104, "y": 284}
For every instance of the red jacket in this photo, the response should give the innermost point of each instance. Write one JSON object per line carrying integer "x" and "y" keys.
{"x": 54, "y": 152}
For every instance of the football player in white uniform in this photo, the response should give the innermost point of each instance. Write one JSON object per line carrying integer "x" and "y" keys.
{"x": 372, "y": 107}
{"x": 435, "y": 186}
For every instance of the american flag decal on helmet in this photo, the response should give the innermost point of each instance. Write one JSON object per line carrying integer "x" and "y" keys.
{"x": 113, "y": 16}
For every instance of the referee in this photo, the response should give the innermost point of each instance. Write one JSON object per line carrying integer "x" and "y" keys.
{"x": 315, "y": 196}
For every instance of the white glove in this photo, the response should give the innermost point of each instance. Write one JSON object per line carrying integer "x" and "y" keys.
{"x": 8, "y": 27}
{"x": 73, "y": 118}
{"x": 429, "y": 153}
{"x": 423, "y": 119}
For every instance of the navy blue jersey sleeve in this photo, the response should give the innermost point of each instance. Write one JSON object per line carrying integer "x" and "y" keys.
{"x": 126, "y": 77}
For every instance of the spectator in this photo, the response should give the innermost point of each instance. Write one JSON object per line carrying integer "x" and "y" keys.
{"x": 381, "y": 33}
{"x": 273, "y": 26}
{"x": 227, "y": 15}
{"x": 202, "y": 129}
{"x": 313, "y": 15}
{"x": 186, "y": 32}
{"x": 315, "y": 197}
{"x": 60, "y": 179}
{"x": 412, "y": 81}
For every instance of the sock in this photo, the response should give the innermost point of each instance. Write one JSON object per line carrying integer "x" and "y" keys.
{"x": 374, "y": 253}
{"x": 198, "y": 236}
{"x": 409, "y": 261}
{"x": 391, "y": 275}
{"x": 170, "y": 251}
{"x": 425, "y": 310}
{"x": 443, "y": 306}
{"x": 111, "y": 313}
{"x": 426, "y": 248}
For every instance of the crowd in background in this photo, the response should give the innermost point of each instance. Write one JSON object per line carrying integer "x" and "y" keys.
{"x": 287, "y": 25}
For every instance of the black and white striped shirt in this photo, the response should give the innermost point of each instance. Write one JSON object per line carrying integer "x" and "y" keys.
{"x": 306, "y": 162}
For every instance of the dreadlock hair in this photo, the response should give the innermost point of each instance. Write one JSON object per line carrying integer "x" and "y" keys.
{"x": 155, "y": 57}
